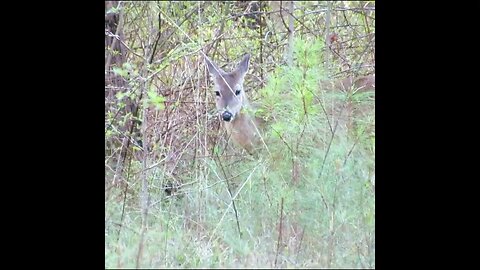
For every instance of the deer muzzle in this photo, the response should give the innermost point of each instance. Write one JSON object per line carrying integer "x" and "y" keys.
{"x": 227, "y": 116}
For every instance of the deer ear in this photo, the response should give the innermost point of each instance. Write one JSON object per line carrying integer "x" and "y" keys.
{"x": 243, "y": 66}
{"x": 212, "y": 68}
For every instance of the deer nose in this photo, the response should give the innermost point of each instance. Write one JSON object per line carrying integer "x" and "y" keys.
{"x": 227, "y": 116}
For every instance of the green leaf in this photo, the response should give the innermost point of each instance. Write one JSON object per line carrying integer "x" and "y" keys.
{"x": 151, "y": 93}
{"x": 127, "y": 66}
{"x": 120, "y": 71}
{"x": 308, "y": 96}
{"x": 278, "y": 128}
{"x": 120, "y": 95}
{"x": 113, "y": 10}
{"x": 156, "y": 99}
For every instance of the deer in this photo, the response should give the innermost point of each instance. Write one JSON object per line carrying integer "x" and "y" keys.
{"x": 232, "y": 104}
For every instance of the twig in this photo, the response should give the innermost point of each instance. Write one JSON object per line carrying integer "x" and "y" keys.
{"x": 231, "y": 196}
{"x": 124, "y": 200}
{"x": 300, "y": 22}
{"x": 230, "y": 205}
{"x": 116, "y": 37}
{"x": 300, "y": 244}
{"x": 281, "y": 17}
{"x": 117, "y": 32}
{"x": 279, "y": 232}
{"x": 125, "y": 226}
{"x": 330, "y": 143}
{"x": 142, "y": 237}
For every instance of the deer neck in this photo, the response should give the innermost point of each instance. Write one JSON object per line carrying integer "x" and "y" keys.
{"x": 242, "y": 131}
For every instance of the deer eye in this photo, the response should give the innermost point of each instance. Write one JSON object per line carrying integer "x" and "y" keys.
{"x": 217, "y": 93}
{"x": 237, "y": 92}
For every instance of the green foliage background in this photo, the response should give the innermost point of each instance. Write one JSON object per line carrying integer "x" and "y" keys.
{"x": 306, "y": 200}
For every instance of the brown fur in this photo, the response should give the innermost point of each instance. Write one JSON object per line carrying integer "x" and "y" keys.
{"x": 242, "y": 128}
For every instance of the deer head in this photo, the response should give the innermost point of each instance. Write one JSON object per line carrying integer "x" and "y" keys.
{"x": 230, "y": 97}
